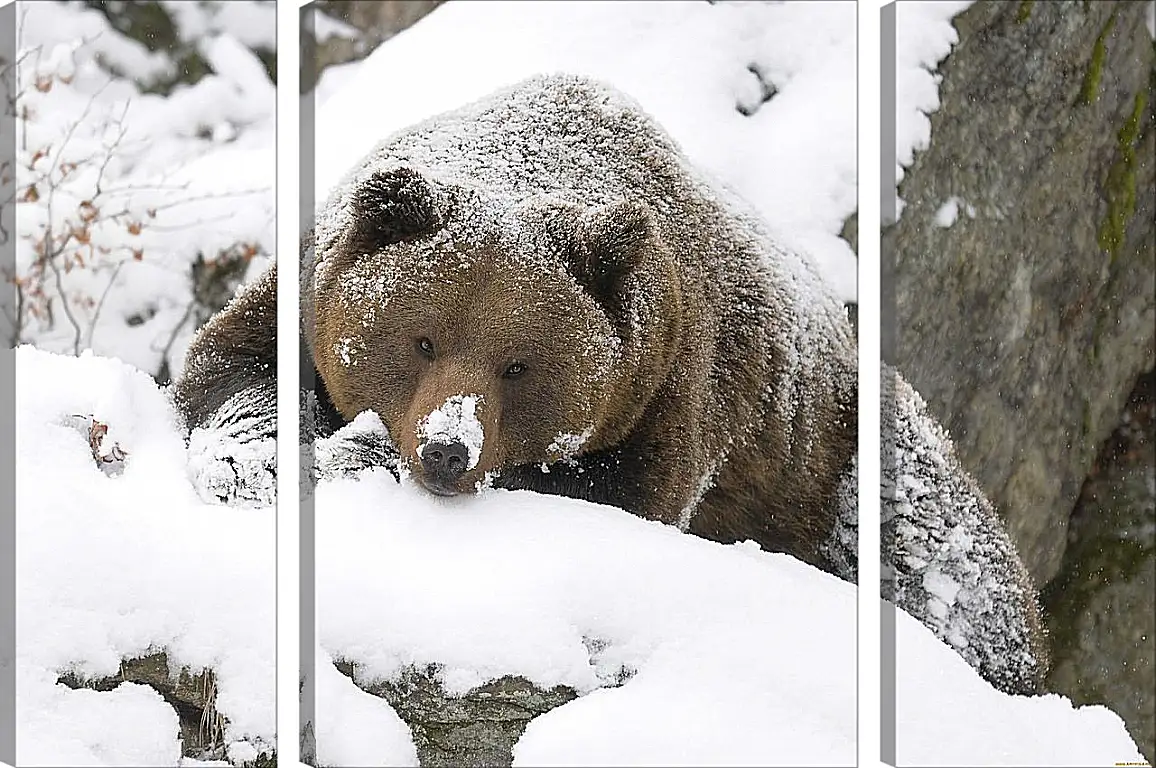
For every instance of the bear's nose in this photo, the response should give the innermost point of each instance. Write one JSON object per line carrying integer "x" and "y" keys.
{"x": 444, "y": 461}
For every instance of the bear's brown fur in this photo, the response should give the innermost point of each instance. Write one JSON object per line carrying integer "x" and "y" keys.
{"x": 235, "y": 352}
{"x": 556, "y": 226}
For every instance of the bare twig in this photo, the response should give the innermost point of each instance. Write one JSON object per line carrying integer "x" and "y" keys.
{"x": 18, "y": 320}
{"x": 75, "y": 123}
{"x": 67, "y": 306}
{"x": 168, "y": 347}
{"x": 100, "y": 304}
{"x": 121, "y": 131}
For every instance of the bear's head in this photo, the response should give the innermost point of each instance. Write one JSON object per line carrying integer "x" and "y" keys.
{"x": 489, "y": 333}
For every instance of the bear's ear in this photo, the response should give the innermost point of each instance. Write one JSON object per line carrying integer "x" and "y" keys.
{"x": 615, "y": 238}
{"x": 390, "y": 206}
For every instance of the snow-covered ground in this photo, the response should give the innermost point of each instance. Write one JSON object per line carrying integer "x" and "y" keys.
{"x": 725, "y": 667}
{"x": 111, "y": 567}
{"x": 688, "y": 63}
{"x": 738, "y": 657}
{"x": 119, "y": 191}
{"x": 946, "y": 715}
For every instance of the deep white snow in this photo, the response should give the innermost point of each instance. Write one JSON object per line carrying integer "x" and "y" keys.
{"x": 566, "y": 592}
{"x": 113, "y": 567}
{"x": 737, "y": 657}
{"x": 946, "y": 715}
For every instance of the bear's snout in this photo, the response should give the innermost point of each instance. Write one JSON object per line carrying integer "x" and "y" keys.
{"x": 443, "y": 464}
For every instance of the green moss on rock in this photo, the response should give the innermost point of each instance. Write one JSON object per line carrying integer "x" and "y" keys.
{"x": 1091, "y": 87}
{"x": 1120, "y": 184}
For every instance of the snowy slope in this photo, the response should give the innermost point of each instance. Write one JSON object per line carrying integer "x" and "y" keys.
{"x": 946, "y": 715}
{"x": 114, "y": 567}
{"x": 687, "y": 63}
{"x": 739, "y": 657}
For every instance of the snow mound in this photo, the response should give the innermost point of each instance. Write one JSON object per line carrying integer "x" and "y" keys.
{"x": 761, "y": 95}
{"x": 354, "y": 727}
{"x": 733, "y": 656}
{"x": 737, "y": 656}
{"x": 116, "y": 567}
{"x": 946, "y": 715}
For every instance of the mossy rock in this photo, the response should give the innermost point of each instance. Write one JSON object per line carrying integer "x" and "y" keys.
{"x": 479, "y": 728}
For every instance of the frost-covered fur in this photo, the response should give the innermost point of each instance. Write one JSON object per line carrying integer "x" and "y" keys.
{"x": 953, "y": 565}
{"x": 553, "y": 222}
{"x": 227, "y": 395}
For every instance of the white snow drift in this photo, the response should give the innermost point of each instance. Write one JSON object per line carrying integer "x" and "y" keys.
{"x": 738, "y": 657}
{"x": 110, "y": 568}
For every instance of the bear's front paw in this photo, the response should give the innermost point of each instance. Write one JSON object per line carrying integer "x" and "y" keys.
{"x": 225, "y": 470}
{"x": 361, "y": 444}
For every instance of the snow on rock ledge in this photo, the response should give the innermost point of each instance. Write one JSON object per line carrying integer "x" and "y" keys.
{"x": 115, "y": 568}
{"x": 714, "y": 654}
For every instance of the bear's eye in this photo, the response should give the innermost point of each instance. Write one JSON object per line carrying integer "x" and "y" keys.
{"x": 426, "y": 347}
{"x": 514, "y": 370}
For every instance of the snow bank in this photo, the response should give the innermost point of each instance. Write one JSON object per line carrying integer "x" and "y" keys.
{"x": 923, "y": 38}
{"x": 115, "y": 567}
{"x": 737, "y": 656}
{"x": 946, "y": 715}
{"x": 691, "y": 65}
{"x": 355, "y": 728}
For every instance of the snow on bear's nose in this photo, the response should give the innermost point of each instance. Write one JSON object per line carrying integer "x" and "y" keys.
{"x": 453, "y": 423}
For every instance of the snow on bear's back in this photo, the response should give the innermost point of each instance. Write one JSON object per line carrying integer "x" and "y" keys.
{"x": 575, "y": 139}
{"x": 562, "y": 135}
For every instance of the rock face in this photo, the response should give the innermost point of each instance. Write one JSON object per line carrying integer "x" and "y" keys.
{"x": 1025, "y": 326}
{"x": 1102, "y": 606}
{"x": 477, "y": 729}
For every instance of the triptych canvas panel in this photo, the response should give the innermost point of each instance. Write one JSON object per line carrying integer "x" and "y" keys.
{"x": 580, "y": 290}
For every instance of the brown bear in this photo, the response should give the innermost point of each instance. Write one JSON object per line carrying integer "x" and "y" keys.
{"x": 538, "y": 291}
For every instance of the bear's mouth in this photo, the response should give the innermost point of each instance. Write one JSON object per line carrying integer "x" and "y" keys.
{"x": 437, "y": 486}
